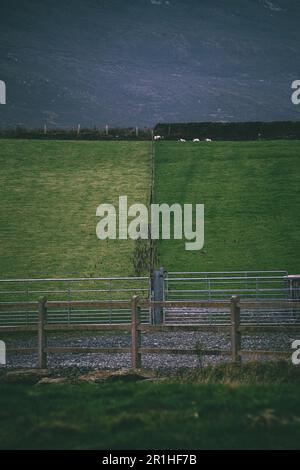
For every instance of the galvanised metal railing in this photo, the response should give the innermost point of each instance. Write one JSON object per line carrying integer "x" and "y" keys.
{"x": 257, "y": 285}
{"x": 251, "y": 286}
{"x": 161, "y": 286}
{"x": 13, "y": 291}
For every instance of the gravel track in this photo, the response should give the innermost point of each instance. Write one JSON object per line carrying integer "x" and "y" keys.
{"x": 268, "y": 341}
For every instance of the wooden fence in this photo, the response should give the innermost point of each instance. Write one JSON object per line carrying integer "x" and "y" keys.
{"x": 234, "y": 328}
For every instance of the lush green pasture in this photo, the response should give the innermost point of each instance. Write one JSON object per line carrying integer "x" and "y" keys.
{"x": 171, "y": 414}
{"x": 49, "y": 192}
{"x": 251, "y": 192}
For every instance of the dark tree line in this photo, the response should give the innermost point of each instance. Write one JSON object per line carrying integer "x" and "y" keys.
{"x": 230, "y": 130}
{"x": 169, "y": 131}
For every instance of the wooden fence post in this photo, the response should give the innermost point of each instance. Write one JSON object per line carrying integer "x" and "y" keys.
{"x": 135, "y": 333}
{"x": 235, "y": 333}
{"x": 42, "y": 318}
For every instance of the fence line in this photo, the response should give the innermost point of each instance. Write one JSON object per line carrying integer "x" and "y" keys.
{"x": 158, "y": 285}
{"x": 234, "y": 327}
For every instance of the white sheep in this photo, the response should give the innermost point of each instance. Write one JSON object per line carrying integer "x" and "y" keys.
{"x": 182, "y": 140}
{"x": 157, "y": 137}
{"x": 208, "y": 140}
{"x": 196, "y": 140}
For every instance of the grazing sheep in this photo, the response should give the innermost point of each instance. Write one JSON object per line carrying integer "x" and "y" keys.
{"x": 208, "y": 140}
{"x": 182, "y": 140}
{"x": 157, "y": 137}
{"x": 196, "y": 140}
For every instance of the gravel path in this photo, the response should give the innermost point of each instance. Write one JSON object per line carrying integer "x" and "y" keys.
{"x": 269, "y": 341}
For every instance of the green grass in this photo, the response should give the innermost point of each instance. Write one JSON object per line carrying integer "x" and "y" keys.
{"x": 49, "y": 193}
{"x": 251, "y": 195}
{"x": 173, "y": 414}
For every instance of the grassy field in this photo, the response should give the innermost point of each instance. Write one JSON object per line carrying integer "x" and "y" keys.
{"x": 251, "y": 194}
{"x": 176, "y": 414}
{"x": 49, "y": 193}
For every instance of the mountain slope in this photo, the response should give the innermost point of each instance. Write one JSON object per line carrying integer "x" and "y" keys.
{"x": 142, "y": 61}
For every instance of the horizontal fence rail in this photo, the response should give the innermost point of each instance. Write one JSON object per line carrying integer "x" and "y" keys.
{"x": 110, "y": 288}
{"x": 232, "y": 323}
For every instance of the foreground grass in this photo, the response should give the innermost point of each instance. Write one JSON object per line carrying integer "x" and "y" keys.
{"x": 49, "y": 193}
{"x": 172, "y": 414}
{"x": 251, "y": 195}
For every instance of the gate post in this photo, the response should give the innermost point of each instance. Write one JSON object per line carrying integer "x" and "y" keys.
{"x": 158, "y": 294}
{"x": 235, "y": 332}
{"x": 42, "y": 314}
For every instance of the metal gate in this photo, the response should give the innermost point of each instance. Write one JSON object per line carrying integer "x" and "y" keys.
{"x": 160, "y": 286}
{"x": 69, "y": 289}
{"x": 258, "y": 285}
{"x": 250, "y": 286}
